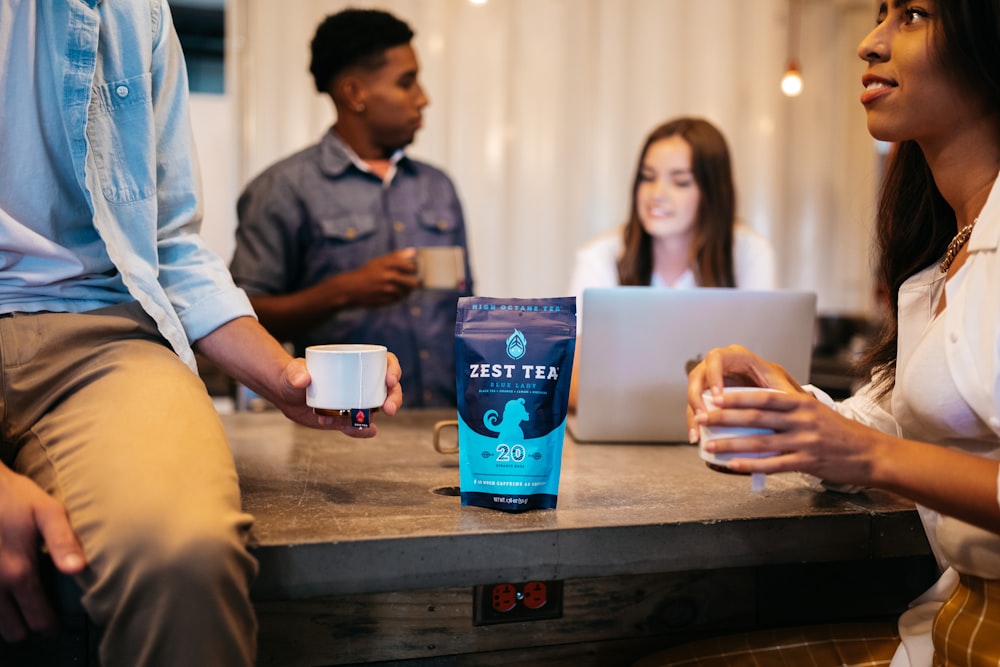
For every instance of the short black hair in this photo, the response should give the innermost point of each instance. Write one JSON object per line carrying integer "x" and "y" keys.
{"x": 354, "y": 37}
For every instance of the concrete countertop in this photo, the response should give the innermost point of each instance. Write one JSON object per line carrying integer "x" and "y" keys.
{"x": 336, "y": 515}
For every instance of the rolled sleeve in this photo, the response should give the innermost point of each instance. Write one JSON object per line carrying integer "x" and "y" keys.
{"x": 213, "y": 310}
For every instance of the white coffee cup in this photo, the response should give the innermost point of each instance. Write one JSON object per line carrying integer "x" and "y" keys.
{"x": 346, "y": 377}
{"x": 719, "y": 432}
{"x": 441, "y": 267}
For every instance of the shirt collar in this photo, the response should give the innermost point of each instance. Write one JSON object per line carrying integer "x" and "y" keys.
{"x": 986, "y": 233}
{"x": 336, "y": 156}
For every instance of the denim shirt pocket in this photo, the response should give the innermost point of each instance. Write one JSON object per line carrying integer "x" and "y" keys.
{"x": 348, "y": 227}
{"x": 439, "y": 221}
{"x": 121, "y": 131}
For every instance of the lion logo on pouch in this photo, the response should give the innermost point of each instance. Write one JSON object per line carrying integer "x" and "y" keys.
{"x": 517, "y": 345}
{"x": 510, "y": 426}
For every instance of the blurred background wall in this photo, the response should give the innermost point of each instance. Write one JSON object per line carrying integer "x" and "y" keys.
{"x": 539, "y": 107}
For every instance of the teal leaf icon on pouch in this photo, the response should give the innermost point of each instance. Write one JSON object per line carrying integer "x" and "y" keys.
{"x": 516, "y": 345}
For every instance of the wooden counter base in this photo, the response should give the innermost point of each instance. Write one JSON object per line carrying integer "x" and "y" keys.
{"x": 606, "y": 622}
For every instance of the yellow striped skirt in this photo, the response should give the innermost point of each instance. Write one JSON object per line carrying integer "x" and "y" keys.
{"x": 966, "y": 633}
{"x": 966, "y": 630}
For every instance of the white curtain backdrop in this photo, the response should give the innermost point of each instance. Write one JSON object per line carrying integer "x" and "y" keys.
{"x": 538, "y": 109}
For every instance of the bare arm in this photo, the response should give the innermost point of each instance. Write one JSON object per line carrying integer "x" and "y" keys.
{"x": 952, "y": 482}
{"x": 382, "y": 281}
{"x": 816, "y": 439}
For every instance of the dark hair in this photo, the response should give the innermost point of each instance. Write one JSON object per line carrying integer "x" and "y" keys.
{"x": 712, "y": 245}
{"x": 354, "y": 37}
{"x": 914, "y": 222}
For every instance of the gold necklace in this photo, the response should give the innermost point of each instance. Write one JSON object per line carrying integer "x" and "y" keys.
{"x": 956, "y": 245}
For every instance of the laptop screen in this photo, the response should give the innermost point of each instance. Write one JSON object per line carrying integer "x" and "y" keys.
{"x": 637, "y": 345}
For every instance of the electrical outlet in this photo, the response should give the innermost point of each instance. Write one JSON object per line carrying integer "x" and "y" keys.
{"x": 510, "y": 603}
{"x": 534, "y": 595}
{"x": 504, "y": 598}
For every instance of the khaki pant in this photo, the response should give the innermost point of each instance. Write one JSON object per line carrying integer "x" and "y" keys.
{"x": 105, "y": 417}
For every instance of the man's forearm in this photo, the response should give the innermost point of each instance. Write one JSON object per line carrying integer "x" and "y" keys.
{"x": 248, "y": 353}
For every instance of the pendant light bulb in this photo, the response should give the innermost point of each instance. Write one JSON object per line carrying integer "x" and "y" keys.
{"x": 791, "y": 83}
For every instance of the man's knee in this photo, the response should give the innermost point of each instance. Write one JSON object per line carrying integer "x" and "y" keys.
{"x": 189, "y": 558}
{"x": 171, "y": 590}
{"x": 198, "y": 554}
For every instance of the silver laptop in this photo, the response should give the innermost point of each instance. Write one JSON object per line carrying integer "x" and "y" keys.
{"x": 637, "y": 345}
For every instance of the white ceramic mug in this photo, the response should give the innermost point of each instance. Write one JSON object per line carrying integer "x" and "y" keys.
{"x": 441, "y": 267}
{"x": 346, "y": 377}
{"x": 719, "y": 432}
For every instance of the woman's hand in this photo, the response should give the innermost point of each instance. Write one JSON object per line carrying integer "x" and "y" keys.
{"x": 810, "y": 436}
{"x": 732, "y": 366}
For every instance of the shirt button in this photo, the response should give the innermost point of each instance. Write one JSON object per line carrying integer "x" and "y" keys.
{"x": 398, "y": 226}
{"x": 424, "y": 355}
{"x": 442, "y": 225}
{"x": 121, "y": 91}
{"x": 954, "y": 337}
{"x": 415, "y": 311}
{"x": 351, "y": 232}
{"x": 427, "y": 397}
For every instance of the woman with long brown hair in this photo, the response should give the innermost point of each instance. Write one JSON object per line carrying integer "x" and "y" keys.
{"x": 927, "y": 425}
{"x": 682, "y": 230}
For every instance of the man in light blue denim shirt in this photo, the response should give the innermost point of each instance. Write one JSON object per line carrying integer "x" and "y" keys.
{"x": 111, "y": 453}
{"x": 327, "y": 237}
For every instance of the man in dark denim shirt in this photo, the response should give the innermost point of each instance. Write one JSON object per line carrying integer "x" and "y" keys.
{"x": 327, "y": 238}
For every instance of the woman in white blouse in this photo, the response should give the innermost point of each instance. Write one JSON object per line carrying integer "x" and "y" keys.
{"x": 927, "y": 426}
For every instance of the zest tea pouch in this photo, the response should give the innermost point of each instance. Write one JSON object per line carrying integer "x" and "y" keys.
{"x": 514, "y": 361}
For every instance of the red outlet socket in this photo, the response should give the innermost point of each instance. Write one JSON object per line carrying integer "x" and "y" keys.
{"x": 508, "y": 603}
{"x": 504, "y": 597}
{"x": 534, "y": 595}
